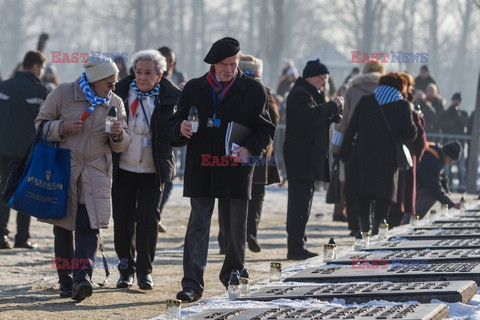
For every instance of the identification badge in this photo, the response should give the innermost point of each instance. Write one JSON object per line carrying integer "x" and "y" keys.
{"x": 216, "y": 122}
{"x": 210, "y": 122}
{"x": 147, "y": 142}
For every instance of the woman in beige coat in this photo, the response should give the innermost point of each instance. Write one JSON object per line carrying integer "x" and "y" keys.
{"x": 75, "y": 114}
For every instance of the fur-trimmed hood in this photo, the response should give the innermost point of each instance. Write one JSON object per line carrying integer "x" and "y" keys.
{"x": 360, "y": 79}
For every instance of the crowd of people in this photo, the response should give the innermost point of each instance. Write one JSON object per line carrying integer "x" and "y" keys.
{"x": 127, "y": 171}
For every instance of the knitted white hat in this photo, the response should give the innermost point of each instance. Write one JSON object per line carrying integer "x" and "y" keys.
{"x": 99, "y": 67}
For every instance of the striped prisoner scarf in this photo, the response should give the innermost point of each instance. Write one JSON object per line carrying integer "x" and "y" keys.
{"x": 385, "y": 94}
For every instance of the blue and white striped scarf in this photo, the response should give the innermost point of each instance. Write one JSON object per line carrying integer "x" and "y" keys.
{"x": 154, "y": 92}
{"x": 91, "y": 97}
{"x": 385, "y": 94}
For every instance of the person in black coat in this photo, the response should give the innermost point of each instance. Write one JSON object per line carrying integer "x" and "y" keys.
{"x": 429, "y": 169}
{"x": 423, "y": 79}
{"x": 20, "y": 101}
{"x": 306, "y": 150}
{"x": 142, "y": 170}
{"x": 222, "y": 95}
{"x": 266, "y": 169}
{"x": 368, "y": 149}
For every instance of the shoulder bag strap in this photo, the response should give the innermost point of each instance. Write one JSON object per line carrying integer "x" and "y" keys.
{"x": 37, "y": 139}
{"x": 386, "y": 122}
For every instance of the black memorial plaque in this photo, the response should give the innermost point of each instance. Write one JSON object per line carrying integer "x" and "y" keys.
{"x": 470, "y": 213}
{"x": 457, "y": 220}
{"x": 387, "y": 312}
{"x": 450, "y": 225}
{"x": 465, "y": 243}
{"x": 402, "y": 272}
{"x": 429, "y": 234}
{"x": 423, "y": 292}
{"x": 377, "y": 258}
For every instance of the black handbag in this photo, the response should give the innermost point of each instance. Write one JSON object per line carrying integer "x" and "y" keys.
{"x": 15, "y": 171}
{"x": 333, "y": 191}
{"x": 403, "y": 158}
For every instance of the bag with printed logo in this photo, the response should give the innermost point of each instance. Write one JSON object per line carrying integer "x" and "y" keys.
{"x": 43, "y": 188}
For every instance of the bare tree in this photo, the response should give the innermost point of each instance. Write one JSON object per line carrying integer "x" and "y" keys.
{"x": 466, "y": 18}
{"x": 409, "y": 26}
{"x": 433, "y": 40}
{"x": 138, "y": 9}
{"x": 15, "y": 37}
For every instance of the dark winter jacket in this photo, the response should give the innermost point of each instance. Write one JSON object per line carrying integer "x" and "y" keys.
{"x": 266, "y": 169}
{"x": 208, "y": 171}
{"x": 422, "y": 83}
{"x": 368, "y": 148}
{"x": 430, "y": 115}
{"x": 162, "y": 151}
{"x": 306, "y": 137}
{"x": 453, "y": 121}
{"x": 20, "y": 101}
{"x": 429, "y": 170}
{"x": 406, "y": 193}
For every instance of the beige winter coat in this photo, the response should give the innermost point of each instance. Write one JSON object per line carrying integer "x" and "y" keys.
{"x": 90, "y": 152}
{"x": 359, "y": 86}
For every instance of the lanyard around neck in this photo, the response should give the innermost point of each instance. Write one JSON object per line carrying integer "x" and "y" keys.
{"x": 217, "y": 98}
{"x": 145, "y": 114}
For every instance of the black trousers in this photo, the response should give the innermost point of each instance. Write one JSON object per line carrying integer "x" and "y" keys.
{"x": 167, "y": 191}
{"x": 76, "y": 256}
{"x": 233, "y": 223}
{"x": 396, "y": 215}
{"x": 300, "y": 196}
{"x": 23, "y": 220}
{"x": 363, "y": 205}
{"x": 255, "y": 206}
{"x": 136, "y": 214}
{"x": 424, "y": 201}
{"x": 254, "y": 213}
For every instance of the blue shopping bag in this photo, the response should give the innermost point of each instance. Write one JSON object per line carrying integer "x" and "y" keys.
{"x": 43, "y": 188}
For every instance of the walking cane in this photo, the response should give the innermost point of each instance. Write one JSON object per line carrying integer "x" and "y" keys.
{"x": 105, "y": 263}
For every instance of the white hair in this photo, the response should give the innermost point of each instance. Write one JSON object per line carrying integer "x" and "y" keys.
{"x": 151, "y": 55}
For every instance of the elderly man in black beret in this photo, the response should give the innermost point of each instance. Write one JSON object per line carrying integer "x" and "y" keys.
{"x": 223, "y": 95}
{"x": 306, "y": 150}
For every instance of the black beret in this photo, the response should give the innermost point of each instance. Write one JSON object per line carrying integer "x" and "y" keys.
{"x": 221, "y": 49}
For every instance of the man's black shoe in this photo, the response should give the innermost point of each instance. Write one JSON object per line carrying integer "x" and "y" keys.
{"x": 301, "y": 255}
{"x": 26, "y": 245}
{"x": 82, "y": 290}
{"x": 188, "y": 295}
{"x": 253, "y": 243}
{"x": 66, "y": 290}
{"x": 125, "y": 281}
{"x": 340, "y": 217}
{"x": 5, "y": 243}
{"x": 145, "y": 281}
{"x": 161, "y": 227}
